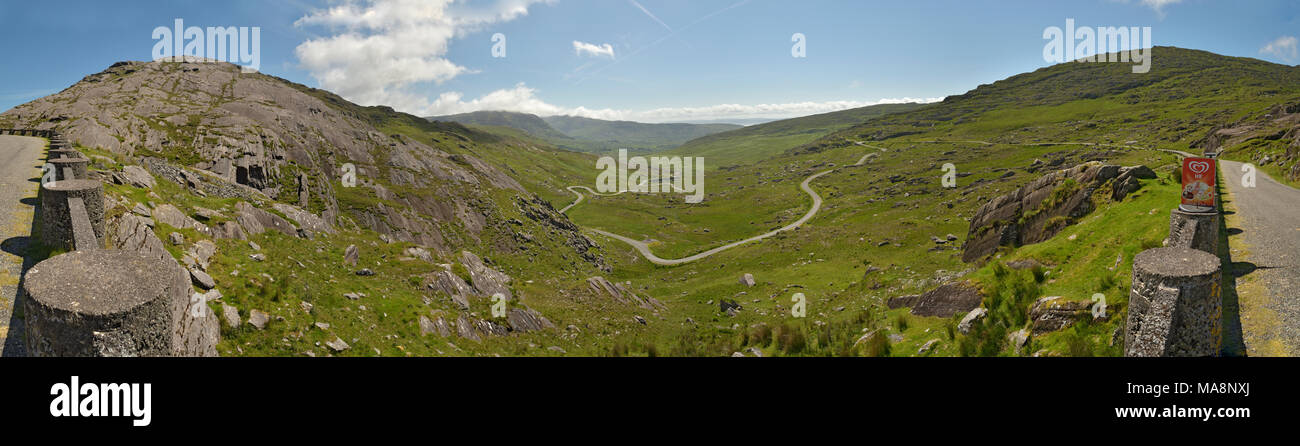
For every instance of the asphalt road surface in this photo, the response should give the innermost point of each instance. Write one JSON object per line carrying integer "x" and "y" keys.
{"x": 1268, "y": 216}
{"x": 20, "y": 163}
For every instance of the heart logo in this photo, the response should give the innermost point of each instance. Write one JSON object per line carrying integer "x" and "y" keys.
{"x": 1199, "y": 167}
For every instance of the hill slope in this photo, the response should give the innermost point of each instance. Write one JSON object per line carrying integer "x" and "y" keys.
{"x": 758, "y": 142}
{"x": 590, "y": 135}
{"x": 527, "y": 123}
{"x": 633, "y": 135}
{"x": 441, "y": 216}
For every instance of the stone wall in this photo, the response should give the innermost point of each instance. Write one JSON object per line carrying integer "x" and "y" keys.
{"x": 1176, "y": 301}
{"x": 99, "y": 302}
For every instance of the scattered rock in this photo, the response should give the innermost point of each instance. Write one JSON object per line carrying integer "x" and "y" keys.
{"x": 351, "y": 255}
{"x": 1056, "y": 313}
{"x": 927, "y": 346}
{"x": 176, "y": 238}
{"x": 1018, "y": 339}
{"x": 338, "y": 345}
{"x": 138, "y": 177}
{"x": 365, "y": 272}
{"x": 968, "y": 322}
{"x": 944, "y": 301}
{"x": 747, "y": 280}
{"x": 231, "y": 315}
{"x": 258, "y": 319}
{"x": 202, "y": 279}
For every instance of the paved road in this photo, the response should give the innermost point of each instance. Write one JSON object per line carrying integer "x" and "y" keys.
{"x": 645, "y": 249}
{"x": 1269, "y": 218}
{"x": 20, "y": 161}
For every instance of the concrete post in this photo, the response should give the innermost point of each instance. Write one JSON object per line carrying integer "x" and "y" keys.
{"x": 100, "y": 303}
{"x": 64, "y": 153}
{"x": 1175, "y": 304}
{"x": 1196, "y": 230}
{"x": 56, "y": 217}
{"x": 78, "y": 166}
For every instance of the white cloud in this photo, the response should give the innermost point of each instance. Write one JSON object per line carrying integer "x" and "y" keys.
{"x": 593, "y": 50}
{"x": 1284, "y": 48}
{"x": 1159, "y": 5}
{"x": 1156, "y": 5}
{"x": 524, "y": 99}
{"x": 381, "y": 48}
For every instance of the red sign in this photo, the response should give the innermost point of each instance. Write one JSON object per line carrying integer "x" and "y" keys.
{"x": 1198, "y": 184}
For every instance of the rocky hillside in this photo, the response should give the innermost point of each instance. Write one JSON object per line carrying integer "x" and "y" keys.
{"x": 241, "y": 179}
{"x": 260, "y": 133}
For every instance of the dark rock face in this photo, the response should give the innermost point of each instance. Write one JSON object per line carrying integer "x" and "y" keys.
{"x": 944, "y": 301}
{"x": 1039, "y": 210}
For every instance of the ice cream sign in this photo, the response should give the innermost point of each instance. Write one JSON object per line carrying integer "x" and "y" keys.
{"x": 1198, "y": 184}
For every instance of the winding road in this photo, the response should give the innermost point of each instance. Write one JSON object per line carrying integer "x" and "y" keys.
{"x": 645, "y": 248}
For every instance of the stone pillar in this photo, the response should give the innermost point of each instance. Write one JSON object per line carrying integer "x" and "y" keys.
{"x": 1175, "y": 304}
{"x": 56, "y": 217}
{"x": 78, "y": 166}
{"x": 64, "y": 153}
{"x": 1196, "y": 230}
{"x": 100, "y": 303}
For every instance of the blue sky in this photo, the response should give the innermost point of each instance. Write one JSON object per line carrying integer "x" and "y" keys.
{"x": 666, "y": 60}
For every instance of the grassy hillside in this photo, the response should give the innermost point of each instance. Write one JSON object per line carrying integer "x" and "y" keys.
{"x": 590, "y": 135}
{"x": 871, "y": 240}
{"x": 758, "y": 142}
{"x": 530, "y": 124}
{"x": 635, "y": 136}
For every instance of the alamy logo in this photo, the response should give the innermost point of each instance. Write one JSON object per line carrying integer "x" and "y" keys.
{"x": 654, "y": 175}
{"x": 241, "y": 46}
{"x": 1103, "y": 44}
{"x": 102, "y": 400}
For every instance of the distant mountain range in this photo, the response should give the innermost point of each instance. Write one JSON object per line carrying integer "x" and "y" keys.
{"x": 757, "y": 142}
{"x": 591, "y": 135}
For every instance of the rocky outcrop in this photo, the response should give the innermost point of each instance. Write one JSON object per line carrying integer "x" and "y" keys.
{"x": 256, "y": 221}
{"x": 1054, "y": 313}
{"x": 1039, "y": 210}
{"x": 451, "y": 285}
{"x": 306, "y": 220}
{"x": 944, "y": 301}
{"x": 194, "y": 327}
{"x": 487, "y": 281}
{"x": 602, "y": 287}
{"x": 523, "y": 321}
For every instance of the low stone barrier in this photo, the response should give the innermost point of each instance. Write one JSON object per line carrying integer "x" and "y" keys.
{"x": 98, "y": 302}
{"x": 77, "y": 167}
{"x": 64, "y": 153}
{"x": 115, "y": 306}
{"x": 56, "y": 217}
{"x": 1196, "y": 230}
{"x": 1175, "y": 304}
